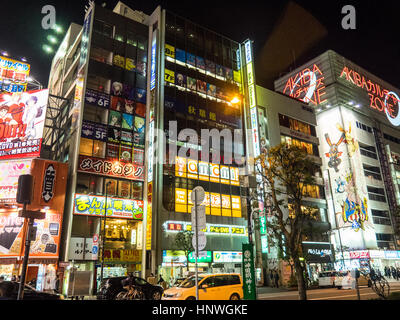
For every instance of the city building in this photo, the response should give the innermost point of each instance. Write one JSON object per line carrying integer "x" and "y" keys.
{"x": 286, "y": 120}
{"x": 357, "y": 126}
{"x": 133, "y": 83}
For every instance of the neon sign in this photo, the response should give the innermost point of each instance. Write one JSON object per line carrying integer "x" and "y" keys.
{"x": 307, "y": 85}
{"x": 380, "y": 99}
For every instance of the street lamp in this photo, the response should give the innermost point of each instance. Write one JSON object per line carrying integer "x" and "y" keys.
{"x": 104, "y": 234}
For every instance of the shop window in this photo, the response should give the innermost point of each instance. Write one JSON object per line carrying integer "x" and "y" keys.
{"x": 137, "y": 190}
{"x": 99, "y": 149}
{"x": 111, "y": 186}
{"x": 124, "y": 189}
{"x": 86, "y": 147}
{"x": 95, "y": 114}
{"x": 101, "y": 55}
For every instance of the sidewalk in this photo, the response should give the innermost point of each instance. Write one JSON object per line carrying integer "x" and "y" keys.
{"x": 265, "y": 289}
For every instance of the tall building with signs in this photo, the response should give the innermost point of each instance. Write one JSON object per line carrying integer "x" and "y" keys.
{"x": 138, "y": 83}
{"x": 358, "y": 128}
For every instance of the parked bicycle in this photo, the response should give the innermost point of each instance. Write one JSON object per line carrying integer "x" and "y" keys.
{"x": 132, "y": 293}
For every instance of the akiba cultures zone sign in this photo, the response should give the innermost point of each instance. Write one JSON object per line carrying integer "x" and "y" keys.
{"x": 380, "y": 99}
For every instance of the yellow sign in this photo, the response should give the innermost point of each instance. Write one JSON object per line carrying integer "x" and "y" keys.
{"x": 169, "y": 51}
{"x": 169, "y": 76}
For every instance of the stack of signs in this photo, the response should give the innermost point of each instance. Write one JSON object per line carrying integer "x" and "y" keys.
{"x": 198, "y": 219}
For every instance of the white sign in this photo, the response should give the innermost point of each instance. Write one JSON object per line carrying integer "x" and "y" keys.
{"x": 227, "y": 256}
{"x": 202, "y": 240}
{"x": 200, "y": 195}
{"x": 201, "y": 217}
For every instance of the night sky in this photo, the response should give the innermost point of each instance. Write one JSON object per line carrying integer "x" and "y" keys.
{"x": 374, "y": 45}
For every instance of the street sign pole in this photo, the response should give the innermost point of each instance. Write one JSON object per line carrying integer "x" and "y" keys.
{"x": 197, "y": 244}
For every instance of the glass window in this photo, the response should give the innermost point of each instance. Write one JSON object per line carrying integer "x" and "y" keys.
{"x": 111, "y": 185}
{"x": 99, "y": 149}
{"x": 86, "y": 147}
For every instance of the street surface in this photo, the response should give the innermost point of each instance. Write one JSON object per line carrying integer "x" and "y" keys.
{"x": 322, "y": 294}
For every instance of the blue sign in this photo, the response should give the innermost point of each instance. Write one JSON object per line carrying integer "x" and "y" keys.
{"x": 153, "y": 65}
{"x": 94, "y": 250}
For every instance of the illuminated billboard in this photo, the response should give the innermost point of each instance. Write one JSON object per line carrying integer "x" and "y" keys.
{"x": 380, "y": 99}
{"x": 307, "y": 85}
{"x": 22, "y": 117}
{"x": 9, "y": 174}
{"x": 13, "y": 75}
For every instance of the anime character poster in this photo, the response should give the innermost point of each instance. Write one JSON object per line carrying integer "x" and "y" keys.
{"x": 191, "y": 59}
{"x": 200, "y": 63}
{"x": 201, "y": 86}
{"x": 114, "y": 119}
{"x": 127, "y": 121}
{"x": 210, "y": 66}
{"x": 180, "y": 80}
{"x": 22, "y": 117}
{"x": 180, "y": 55}
{"x": 191, "y": 83}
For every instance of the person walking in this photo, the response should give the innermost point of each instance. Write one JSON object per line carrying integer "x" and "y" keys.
{"x": 57, "y": 284}
{"x": 276, "y": 278}
{"x": 271, "y": 277}
{"x": 394, "y": 273}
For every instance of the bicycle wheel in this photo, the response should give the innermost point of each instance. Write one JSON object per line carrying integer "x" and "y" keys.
{"x": 121, "y": 296}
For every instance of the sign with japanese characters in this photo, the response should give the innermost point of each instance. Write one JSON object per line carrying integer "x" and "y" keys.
{"x": 92, "y": 130}
{"x": 110, "y": 168}
{"x": 90, "y": 205}
{"x": 15, "y": 72}
{"x": 97, "y": 98}
{"x": 249, "y": 284}
{"x": 22, "y": 118}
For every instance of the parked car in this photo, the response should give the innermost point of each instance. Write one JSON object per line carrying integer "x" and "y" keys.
{"x": 222, "y": 286}
{"x": 339, "y": 279}
{"x": 110, "y": 287}
{"x": 10, "y": 292}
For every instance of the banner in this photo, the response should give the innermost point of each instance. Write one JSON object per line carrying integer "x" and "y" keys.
{"x": 22, "y": 117}
{"x": 110, "y": 168}
{"x": 92, "y": 130}
{"x": 249, "y": 280}
{"x": 9, "y": 174}
{"x": 97, "y": 98}
{"x": 90, "y": 205}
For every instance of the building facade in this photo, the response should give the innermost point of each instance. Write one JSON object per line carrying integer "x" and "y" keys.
{"x": 286, "y": 120}
{"x": 136, "y": 82}
{"x": 357, "y": 126}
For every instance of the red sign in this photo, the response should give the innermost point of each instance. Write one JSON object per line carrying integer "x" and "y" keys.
{"x": 307, "y": 86}
{"x": 362, "y": 254}
{"x": 380, "y": 98}
{"x": 110, "y": 168}
{"x": 175, "y": 227}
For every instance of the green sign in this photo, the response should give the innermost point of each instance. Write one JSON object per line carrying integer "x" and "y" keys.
{"x": 249, "y": 279}
{"x": 207, "y": 258}
{"x": 263, "y": 225}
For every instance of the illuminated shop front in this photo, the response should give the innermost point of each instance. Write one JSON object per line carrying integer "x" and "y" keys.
{"x": 174, "y": 262}
{"x": 44, "y": 250}
{"x": 357, "y": 117}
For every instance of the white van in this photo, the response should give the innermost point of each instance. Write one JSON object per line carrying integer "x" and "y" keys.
{"x": 327, "y": 278}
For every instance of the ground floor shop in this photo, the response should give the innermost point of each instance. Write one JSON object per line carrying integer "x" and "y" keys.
{"x": 367, "y": 259}
{"x": 176, "y": 264}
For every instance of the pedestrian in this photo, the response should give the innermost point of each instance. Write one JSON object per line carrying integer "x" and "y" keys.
{"x": 394, "y": 273}
{"x": 271, "y": 277}
{"x": 276, "y": 277}
{"x": 1, "y": 279}
{"x": 13, "y": 278}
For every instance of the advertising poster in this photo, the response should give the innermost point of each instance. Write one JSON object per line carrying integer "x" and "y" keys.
{"x": 114, "y": 135}
{"x": 228, "y": 73}
{"x": 191, "y": 83}
{"x": 169, "y": 51}
{"x": 138, "y": 156}
{"x": 219, "y": 70}
{"x": 211, "y": 90}
{"x": 9, "y": 173}
{"x": 10, "y": 234}
{"x": 114, "y": 119}
{"x": 191, "y": 59}
{"x": 130, "y": 64}
{"x": 180, "y": 80}
{"x": 128, "y": 91}
{"x": 119, "y": 61}
{"x": 15, "y": 71}
{"x": 140, "y": 109}
{"x": 127, "y": 121}
{"x": 116, "y": 88}
{"x": 127, "y": 137}
{"x": 201, "y": 86}
{"x": 116, "y": 208}
{"x": 22, "y": 118}
{"x": 180, "y": 55}
{"x": 140, "y": 95}
{"x": 200, "y": 63}
{"x": 210, "y": 66}
{"x": 117, "y": 103}
{"x": 126, "y": 153}
{"x": 112, "y": 151}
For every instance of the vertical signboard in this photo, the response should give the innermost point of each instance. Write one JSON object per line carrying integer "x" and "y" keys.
{"x": 249, "y": 282}
{"x": 150, "y": 149}
{"x": 82, "y": 67}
